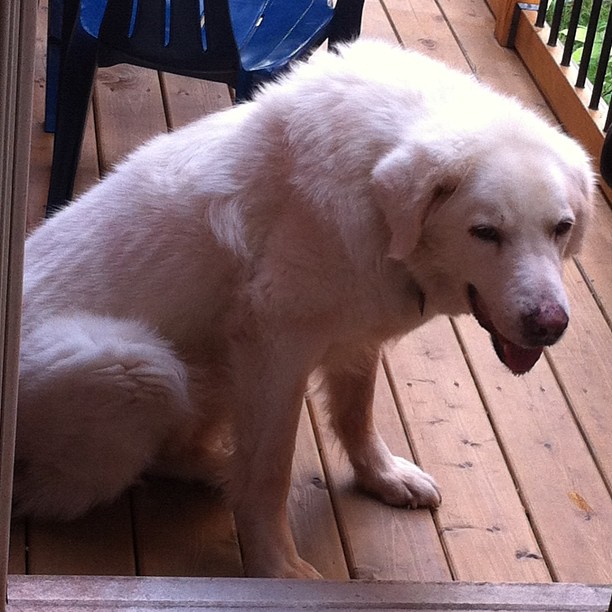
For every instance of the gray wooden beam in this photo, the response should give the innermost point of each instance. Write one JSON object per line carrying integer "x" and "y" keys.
{"x": 75, "y": 594}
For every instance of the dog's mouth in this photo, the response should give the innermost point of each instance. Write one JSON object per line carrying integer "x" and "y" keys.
{"x": 517, "y": 358}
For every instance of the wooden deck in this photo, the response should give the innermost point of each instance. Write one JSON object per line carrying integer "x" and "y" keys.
{"x": 525, "y": 464}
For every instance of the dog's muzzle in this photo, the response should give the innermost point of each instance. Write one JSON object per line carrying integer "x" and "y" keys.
{"x": 541, "y": 327}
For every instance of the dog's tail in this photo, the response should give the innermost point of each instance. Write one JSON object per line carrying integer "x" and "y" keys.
{"x": 98, "y": 397}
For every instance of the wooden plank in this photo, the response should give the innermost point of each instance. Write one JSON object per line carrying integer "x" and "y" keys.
{"x": 188, "y": 99}
{"x": 310, "y": 510}
{"x": 382, "y": 542}
{"x": 184, "y": 529}
{"x": 99, "y": 543}
{"x": 422, "y": 27}
{"x": 129, "y": 110}
{"x": 376, "y": 22}
{"x": 55, "y": 594}
{"x": 562, "y": 489}
{"x": 481, "y": 520}
{"x": 472, "y": 24}
{"x": 583, "y": 362}
{"x": 595, "y": 259}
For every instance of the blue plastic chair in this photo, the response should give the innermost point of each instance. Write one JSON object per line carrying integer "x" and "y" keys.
{"x": 238, "y": 42}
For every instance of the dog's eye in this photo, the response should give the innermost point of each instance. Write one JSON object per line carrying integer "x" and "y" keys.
{"x": 562, "y": 228}
{"x": 486, "y": 233}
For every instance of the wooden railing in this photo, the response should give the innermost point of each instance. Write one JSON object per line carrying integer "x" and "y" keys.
{"x": 515, "y": 27}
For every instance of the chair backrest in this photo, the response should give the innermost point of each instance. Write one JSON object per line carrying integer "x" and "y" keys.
{"x": 176, "y": 35}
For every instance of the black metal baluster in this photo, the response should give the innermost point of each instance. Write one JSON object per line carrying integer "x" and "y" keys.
{"x": 555, "y": 25}
{"x": 587, "y": 50}
{"x": 602, "y": 65}
{"x": 541, "y": 18}
{"x": 571, "y": 33}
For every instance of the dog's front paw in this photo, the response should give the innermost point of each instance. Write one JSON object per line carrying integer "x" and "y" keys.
{"x": 401, "y": 483}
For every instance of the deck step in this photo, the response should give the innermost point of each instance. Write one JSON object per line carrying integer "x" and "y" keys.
{"x": 70, "y": 593}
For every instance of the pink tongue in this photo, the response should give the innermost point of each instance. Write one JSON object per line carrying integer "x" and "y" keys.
{"x": 517, "y": 358}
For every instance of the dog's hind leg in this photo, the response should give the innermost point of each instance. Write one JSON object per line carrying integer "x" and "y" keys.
{"x": 394, "y": 480}
{"x": 97, "y": 398}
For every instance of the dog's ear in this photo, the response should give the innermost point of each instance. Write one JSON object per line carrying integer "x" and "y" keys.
{"x": 581, "y": 190}
{"x": 576, "y": 170}
{"x": 409, "y": 183}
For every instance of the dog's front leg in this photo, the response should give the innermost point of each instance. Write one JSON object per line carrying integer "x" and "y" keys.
{"x": 394, "y": 480}
{"x": 271, "y": 379}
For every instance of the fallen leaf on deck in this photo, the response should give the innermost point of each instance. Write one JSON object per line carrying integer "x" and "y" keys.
{"x": 580, "y": 503}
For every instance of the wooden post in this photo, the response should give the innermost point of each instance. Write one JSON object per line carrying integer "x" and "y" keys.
{"x": 504, "y": 11}
{"x": 17, "y": 39}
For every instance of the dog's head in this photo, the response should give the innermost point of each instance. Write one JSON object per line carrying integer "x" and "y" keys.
{"x": 484, "y": 223}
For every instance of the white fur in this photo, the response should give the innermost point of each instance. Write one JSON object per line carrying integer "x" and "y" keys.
{"x": 173, "y": 314}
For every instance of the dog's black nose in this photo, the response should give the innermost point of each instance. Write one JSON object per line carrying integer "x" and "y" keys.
{"x": 544, "y": 325}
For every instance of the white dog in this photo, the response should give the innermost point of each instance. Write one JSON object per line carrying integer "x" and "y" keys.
{"x": 174, "y": 313}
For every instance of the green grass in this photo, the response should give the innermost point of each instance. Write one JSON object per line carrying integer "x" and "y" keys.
{"x": 585, "y": 13}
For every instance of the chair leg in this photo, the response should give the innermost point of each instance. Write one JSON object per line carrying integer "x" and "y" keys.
{"x": 245, "y": 86}
{"x": 61, "y": 18}
{"x": 76, "y": 80}
{"x": 54, "y": 42}
{"x": 346, "y": 22}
